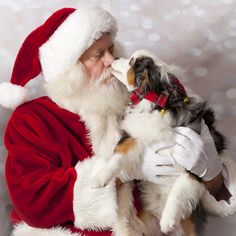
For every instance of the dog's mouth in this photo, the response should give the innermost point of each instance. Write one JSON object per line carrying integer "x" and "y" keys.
{"x": 116, "y": 73}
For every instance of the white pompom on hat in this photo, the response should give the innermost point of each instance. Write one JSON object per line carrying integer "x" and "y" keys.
{"x": 55, "y": 47}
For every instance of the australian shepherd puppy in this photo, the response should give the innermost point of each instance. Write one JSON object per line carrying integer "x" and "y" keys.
{"x": 158, "y": 103}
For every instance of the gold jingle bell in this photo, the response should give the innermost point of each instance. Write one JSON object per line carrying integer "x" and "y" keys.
{"x": 186, "y": 100}
{"x": 163, "y": 111}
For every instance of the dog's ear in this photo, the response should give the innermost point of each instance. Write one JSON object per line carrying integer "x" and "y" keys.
{"x": 131, "y": 61}
{"x": 155, "y": 80}
{"x": 143, "y": 81}
{"x": 146, "y": 73}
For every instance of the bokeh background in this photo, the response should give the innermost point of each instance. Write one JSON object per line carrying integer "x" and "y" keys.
{"x": 198, "y": 35}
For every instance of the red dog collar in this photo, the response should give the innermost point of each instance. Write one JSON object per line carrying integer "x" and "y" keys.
{"x": 160, "y": 99}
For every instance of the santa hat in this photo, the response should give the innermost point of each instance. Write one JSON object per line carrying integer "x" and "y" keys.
{"x": 55, "y": 47}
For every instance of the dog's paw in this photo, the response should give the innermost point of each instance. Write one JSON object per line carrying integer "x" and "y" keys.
{"x": 167, "y": 225}
{"x": 101, "y": 180}
{"x": 144, "y": 106}
{"x": 170, "y": 217}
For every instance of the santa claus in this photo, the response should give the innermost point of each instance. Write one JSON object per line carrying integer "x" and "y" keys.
{"x": 56, "y": 144}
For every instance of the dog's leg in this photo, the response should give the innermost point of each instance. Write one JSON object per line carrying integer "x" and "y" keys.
{"x": 150, "y": 222}
{"x": 188, "y": 227}
{"x": 127, "y": 222}
{"x": 118, "y": 161}
{"x": 182, "y": 200}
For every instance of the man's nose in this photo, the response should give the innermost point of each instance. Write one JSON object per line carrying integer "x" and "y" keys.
{"x": 108, "y": 59}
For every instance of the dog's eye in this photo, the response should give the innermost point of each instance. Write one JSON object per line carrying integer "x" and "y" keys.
{"x": 131, "y": 62}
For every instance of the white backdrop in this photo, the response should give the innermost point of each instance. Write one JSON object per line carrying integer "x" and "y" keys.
{"x": 199, "y": 35}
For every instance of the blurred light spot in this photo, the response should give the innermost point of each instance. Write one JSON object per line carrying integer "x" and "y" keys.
{"x": 3, "y": 53}
{"x": 200, "y": 71}
{"x": 219, "y": 48}
{"x": 219, "y": 110}
{"x": 231, "y": 93}
{"x": 173, "y": 38}
{"x": 233, "y": 111}
{"x": 124, "y": 14}
{"x": 232, "y": 24}
{"x": 227, "y": 1}
{"x": 147, "y": 23}
{"x": 199, "y": 12}
{"x": 171, "y": 14}
{"x": 147, "y": 1}
{"x": 186, "y": 1}
{"x": 228, "y": 44}
{"x": 129, "y": 45}
{"x": 2, "y": 168}
{"x": 232, "y": 33}
{"x": 234, "y": 137}
{"x": 134, "y": 7}
{"x": 154, "y": 37}
{"x": 217, "y": 96}
{"x": 196, "y": 52}
{"x": 212, "y": 36}
{"x": 140, "y": 34}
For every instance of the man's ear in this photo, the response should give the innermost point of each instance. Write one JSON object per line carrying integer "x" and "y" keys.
{"x": 119, "y": 50}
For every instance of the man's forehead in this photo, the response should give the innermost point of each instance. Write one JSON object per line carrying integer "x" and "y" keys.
{"x": 103, "y": 43}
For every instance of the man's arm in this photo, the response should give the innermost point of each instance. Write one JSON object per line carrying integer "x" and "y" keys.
{"x": 215, "y": 185}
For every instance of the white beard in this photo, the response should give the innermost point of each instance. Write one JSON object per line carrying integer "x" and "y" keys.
{"x": 104, "y": 95}
{"x": 99, "y": 102}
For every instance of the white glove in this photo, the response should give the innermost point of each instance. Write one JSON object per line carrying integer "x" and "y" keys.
{"x": 156, "y": 163}
{"x": 197, "y": 153}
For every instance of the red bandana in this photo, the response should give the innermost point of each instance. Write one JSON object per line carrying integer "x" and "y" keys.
{"x": 160, "y": 99}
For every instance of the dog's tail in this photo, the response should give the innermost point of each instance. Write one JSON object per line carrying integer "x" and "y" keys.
{"x": 217, "y": 208}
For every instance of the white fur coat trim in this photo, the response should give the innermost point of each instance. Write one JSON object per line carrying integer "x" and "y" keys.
{"x": 23, "y": 229}
{"x": 76, "y": 34}
{"x": 94, "y": 208}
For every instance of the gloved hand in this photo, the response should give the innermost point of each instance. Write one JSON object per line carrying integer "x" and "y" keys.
{"x": 196, "y": 153}
{"x": 156, "y": 163}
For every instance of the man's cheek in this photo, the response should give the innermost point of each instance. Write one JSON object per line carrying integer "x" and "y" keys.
{"x": 97, "y": 71}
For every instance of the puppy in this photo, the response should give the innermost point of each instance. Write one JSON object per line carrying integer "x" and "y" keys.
{"x": 159, "y": 102}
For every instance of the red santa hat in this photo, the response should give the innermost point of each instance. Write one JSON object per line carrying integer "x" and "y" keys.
{"x": 54, "y": 47}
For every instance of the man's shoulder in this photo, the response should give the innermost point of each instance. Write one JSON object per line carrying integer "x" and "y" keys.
{"x": 40, "y": 108}
{"x": 35, "y": 103}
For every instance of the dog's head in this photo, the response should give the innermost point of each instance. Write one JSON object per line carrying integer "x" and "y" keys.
{"x": 143, "y": 70}
{"x": 147, "y": 73}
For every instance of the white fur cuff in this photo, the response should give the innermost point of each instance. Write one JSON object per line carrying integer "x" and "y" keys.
{"x": 23, "y": 229}
{"x": 94, "y": 208}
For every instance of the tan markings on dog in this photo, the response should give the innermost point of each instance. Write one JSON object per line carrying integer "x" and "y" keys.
{"x": 131, "y": 77}
{"x": 118, "y": 183}
{"x": 144, "y": 215}
{"x": 124, "y": 146}
{"x": 188, "y": 227}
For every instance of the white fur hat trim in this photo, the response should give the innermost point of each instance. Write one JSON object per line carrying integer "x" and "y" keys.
{"x": 12, "y": 95}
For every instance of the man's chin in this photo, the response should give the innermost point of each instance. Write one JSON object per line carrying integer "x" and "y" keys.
{"x": 109, "y": 80}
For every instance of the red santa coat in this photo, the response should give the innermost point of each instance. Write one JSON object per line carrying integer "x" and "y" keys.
{"x": 47, "y": 167}
{"x": 45, "y": 143}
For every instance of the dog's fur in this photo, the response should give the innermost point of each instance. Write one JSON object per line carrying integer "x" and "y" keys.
{"x": 172, "y": 202}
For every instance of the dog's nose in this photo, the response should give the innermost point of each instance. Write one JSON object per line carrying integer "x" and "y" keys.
{"x": 116, "y": 58}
